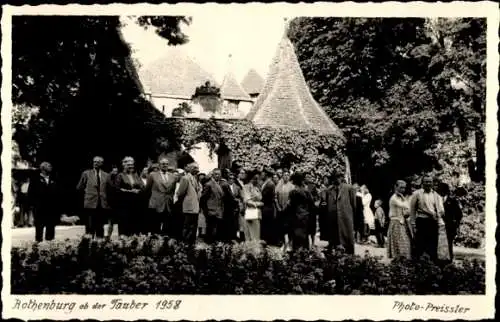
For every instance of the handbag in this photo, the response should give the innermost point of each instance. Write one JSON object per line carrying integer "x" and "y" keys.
{"x": 251, "y": 213}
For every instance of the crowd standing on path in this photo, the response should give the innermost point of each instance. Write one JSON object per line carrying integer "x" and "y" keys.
{"x": 276, "y": 207}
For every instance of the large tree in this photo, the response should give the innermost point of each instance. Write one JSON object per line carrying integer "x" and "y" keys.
{"x": 387, "y": 82}
{"x": 75, "y": 75}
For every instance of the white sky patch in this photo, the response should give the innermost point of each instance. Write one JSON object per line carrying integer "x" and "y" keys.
{"x": 251, "y": 40}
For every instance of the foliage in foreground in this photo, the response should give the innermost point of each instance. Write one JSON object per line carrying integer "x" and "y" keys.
{"x": 152, "y": 265}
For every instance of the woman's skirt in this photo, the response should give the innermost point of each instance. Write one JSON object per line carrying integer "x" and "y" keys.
{"x": 398, "y": 240}
{"x": 252, "y": 230}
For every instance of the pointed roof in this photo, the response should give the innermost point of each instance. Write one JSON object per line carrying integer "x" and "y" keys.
{"x": 253, "y": 82}
{"x": 232, "y": 90}
{"x": 174, "y": 74}
{"x": 286, "y": 101}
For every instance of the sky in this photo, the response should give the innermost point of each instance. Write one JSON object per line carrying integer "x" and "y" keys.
{"x": 251, "y": 40}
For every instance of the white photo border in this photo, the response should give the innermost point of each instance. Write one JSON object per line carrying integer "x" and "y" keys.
{"x": 205, "y": 307}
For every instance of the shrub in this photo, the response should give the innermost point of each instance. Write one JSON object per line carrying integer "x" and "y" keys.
{"x": 153, "y": 265}
{"x": 472, "y": 229}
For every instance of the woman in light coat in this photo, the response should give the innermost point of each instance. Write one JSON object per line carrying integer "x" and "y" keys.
{"x": 399, "y": 232}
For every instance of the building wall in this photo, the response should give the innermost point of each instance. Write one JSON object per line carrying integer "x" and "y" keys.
{"x": 229, "y": 108}
{"x": 167, "y": 104}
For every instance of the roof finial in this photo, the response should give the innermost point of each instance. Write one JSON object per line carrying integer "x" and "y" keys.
{"x": 287, "y": 26}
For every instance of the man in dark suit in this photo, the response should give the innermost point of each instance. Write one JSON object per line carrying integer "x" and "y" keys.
{"x": 44, "y": 195}
{"x": 452, "y": 215}
{"x": 212, "y": 205}
{"x": 270, "y": 231}
{"x": 160, "y": 188}
{"x": 93, "y": 185}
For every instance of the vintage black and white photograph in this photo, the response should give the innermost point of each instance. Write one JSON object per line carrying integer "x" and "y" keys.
{"x": 221, "y": 153}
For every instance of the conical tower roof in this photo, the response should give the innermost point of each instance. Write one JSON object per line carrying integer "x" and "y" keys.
{"x": 286, "y": 101}
{"x": 232, "y": 90}
{"x": 174, "y": 74}
{"x": 253, "y": 82}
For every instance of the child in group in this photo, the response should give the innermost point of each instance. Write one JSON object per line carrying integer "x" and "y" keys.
{"x": 379, "y": 223}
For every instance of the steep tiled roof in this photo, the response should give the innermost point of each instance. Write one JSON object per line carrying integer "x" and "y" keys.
{"x": 231, "y": 89}
{"x": 174, "y": 74}
{"x": 253, "y": 82}
{"x": 285, "y": 100}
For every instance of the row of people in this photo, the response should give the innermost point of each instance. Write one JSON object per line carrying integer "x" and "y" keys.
{"x": 248, "y": 205}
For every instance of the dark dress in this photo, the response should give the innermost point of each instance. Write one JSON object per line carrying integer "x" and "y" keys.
{"x": 301, "y": 219}
{"x": 131, "y": 205}
{"x": 45, "y": 197}
{"x": 230, "y": 217}
{"x": 269, "y": 229}
{"x": 452, "y": 218}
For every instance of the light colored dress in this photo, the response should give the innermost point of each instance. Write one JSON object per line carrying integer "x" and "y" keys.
{"x": 367, "y": 211}
{"x": 398, "y": 234}
{"x": 252, "y": 194}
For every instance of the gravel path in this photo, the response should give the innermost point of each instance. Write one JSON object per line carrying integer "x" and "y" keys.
{"x": 23, "y": 236}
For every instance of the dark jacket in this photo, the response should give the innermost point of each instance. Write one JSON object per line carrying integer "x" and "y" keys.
{"x": 45, "y": 198}
{"x": 211, "y": 201}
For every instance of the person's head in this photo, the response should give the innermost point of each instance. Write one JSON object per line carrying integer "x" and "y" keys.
{"x": 114, "y": 169}
{"x": 254, "y": 177}
{"x": 326, "y": 181}
{"x": 145, "y": 172}
{"x": 286, "y": 176}
{"x": 128, "y": 164}
{"x": 46, "y": 168}
{"x": 400, "y": 187}
{"x": 427, "y": 183}
{"x": 364, "y": 189}
{"x": 355, "y": 186}
{"x": 279, "y": 173}
{"x": 201, "y": 176}
{"x": 227, "y": 175}
{"x": 443, "y": 189}
{"x": 298, "y": 179}
{"x": 377, "y": 203}
{"x": 336, "y": 178}
{"x": 163, "y": 163}
{"x": 155, "y": 167}
{"x": 242, "y": 174}
{"x": 276, "y": 178}
{"x": 308, "y": 179}
{"x": 216, "y": 174}
{"x": 268, "y": 173}
{"x": 97, "y": 162}
{"x": 193, "y": 168}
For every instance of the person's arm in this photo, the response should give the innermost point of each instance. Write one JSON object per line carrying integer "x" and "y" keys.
{"x": 413, "y": 210}
{"x": 182, "y": 189}
{"x": 82, "y": 182}
{"x": 149, "y": 185}
{"x": 205, "y": 194}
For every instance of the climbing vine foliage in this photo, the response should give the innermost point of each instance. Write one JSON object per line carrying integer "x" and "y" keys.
{"x": 255, "y": 147}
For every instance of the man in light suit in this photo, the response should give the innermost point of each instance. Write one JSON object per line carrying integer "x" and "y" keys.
{"x": 188, "y": 198}
{"x": 160, "y": 187}
{"x": 95, "y": 202}
{"x": 212, "y": 205}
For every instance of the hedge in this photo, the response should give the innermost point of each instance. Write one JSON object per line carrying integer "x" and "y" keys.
{"x": 153, "y": 265}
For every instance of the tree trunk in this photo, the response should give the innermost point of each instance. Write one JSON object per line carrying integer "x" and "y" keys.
{"x": 480, "y": 156}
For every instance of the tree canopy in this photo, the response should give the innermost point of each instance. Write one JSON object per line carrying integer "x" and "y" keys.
{"x": 398, "y": 87}
{"x": 75, "y": 76}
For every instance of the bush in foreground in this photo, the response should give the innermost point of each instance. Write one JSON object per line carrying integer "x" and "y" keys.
{"x": 152, "y": 265}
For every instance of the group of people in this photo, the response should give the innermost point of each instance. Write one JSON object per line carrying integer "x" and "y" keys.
{"x": 423, "y": 222}
{"x": 277, "y": 207}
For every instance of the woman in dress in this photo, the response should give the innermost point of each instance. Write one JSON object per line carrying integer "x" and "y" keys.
{"x": 300, "y": 214}
{"x": 239, "y": 193}
{"x": 399, "y": 233}
{"x": 253, "y": 203}
{"x": 369, "y": 218}
{"x": 130, "y": 187}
